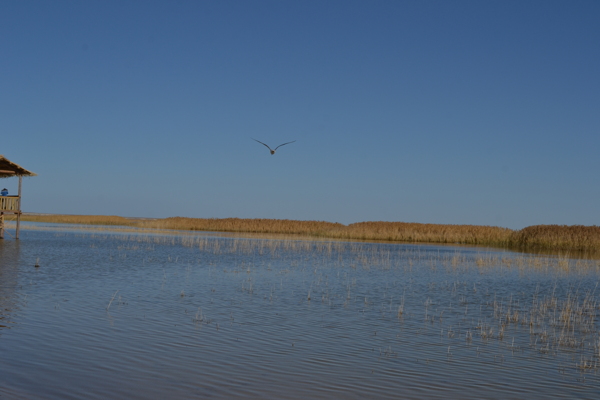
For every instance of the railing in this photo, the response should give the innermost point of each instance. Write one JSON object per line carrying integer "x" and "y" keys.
{"x": 9, "y": 203}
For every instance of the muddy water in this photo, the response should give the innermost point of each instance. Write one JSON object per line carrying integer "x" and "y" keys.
{"x": 141, "y": 316}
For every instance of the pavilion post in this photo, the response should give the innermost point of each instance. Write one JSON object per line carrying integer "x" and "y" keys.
{"x": 19, "y": 207}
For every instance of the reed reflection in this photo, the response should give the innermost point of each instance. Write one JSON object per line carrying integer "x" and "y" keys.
{"x": 9, "y": 271}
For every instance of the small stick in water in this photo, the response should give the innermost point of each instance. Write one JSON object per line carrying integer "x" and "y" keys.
{"x": 111, "y": 300}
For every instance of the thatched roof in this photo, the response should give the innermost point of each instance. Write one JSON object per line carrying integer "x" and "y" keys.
{"x": 9, "y": 168}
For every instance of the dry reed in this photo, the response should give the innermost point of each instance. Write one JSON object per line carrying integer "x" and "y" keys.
{"x": 540, "y": 237}
{"x": 558, "y": 237}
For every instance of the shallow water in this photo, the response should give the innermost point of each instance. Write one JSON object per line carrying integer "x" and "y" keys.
{"x": 136, "y": 315}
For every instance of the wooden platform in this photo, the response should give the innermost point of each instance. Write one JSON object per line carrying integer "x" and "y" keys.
{"x": 10, "y": 204}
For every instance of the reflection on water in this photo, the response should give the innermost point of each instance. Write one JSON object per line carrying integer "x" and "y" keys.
{"x": 130, "y": 315}
{"x": 9, "y": 267}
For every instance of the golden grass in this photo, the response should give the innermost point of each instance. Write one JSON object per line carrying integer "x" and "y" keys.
{"x": 559, "y": 237}
{"x": 539, "y": 237}
{"x": 432, "y": 233}
{"x": 79, "y": 219}
{"x": 279, "y": 226}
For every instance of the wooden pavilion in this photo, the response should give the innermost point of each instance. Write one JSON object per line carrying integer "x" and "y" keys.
{"x": 11, "y": 204}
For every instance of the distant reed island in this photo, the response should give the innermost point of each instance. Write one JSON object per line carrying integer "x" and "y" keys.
{"x": 538, "y": 237}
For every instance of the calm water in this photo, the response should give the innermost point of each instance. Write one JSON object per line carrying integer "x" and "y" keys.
{"x": 141, "y": 316}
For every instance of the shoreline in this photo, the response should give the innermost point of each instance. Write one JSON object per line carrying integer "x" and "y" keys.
{"x": 555, "y": 238}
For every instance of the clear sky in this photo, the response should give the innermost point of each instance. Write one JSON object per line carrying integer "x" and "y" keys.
{"x": 453, "y": 112}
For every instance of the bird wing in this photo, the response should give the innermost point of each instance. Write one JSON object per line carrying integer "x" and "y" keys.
{"x": 284, "y": 144}
{"x": 263, "y": 144}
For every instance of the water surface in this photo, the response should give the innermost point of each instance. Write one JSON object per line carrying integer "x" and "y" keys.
{"x": 139, "y": 315}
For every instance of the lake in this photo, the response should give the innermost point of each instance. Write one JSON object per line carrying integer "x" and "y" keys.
{"x": 141, "y": 315}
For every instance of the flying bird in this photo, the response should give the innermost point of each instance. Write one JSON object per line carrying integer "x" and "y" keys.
{"x": 270, "y": 149}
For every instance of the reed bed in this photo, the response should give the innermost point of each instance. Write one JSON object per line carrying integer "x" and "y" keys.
{"x": 559, "y": 237}
{"x": 428, "y": 233}
{"x": 575, "y": 238}
{"x": 79, "y": 219}
{"x": 276, "y": 226}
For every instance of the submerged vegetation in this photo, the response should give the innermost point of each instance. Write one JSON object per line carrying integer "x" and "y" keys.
{"x": 538, "y": 237}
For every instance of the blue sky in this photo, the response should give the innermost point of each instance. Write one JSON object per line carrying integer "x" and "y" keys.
{"x": 454, "y": 112}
